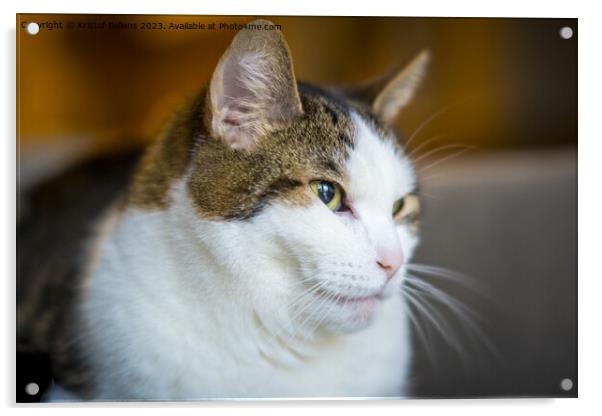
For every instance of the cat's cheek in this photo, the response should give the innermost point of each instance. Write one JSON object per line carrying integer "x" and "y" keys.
{"x": 347, "y": 217}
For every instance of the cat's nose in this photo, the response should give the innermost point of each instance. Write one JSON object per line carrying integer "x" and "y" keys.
{"x": 390, "y": 262}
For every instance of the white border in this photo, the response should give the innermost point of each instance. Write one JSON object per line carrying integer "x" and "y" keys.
{"x": 590, "y": 185}
{"x": 552, "y": 8}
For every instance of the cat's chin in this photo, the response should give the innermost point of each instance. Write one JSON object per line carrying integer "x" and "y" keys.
{"x": 354, "y": 314}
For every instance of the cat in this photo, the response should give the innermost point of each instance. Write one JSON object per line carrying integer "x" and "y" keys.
{"x": 260, "y": 248}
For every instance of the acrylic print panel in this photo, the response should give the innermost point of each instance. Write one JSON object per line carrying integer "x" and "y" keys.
{"x": 217, "y": 207}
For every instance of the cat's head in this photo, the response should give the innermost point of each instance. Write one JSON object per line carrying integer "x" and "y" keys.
{"x": 313, "y": 196}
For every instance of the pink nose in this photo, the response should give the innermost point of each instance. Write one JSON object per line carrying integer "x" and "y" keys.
{"x": 390, "y": 263}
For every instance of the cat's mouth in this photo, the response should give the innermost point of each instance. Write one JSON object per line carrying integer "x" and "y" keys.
{"x": 352, "y": 312}
{"x": 352, "y": 301}
{"x": 358, "y": 300}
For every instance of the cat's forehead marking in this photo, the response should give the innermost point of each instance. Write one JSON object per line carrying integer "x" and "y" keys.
{"x": 378, "y": 171}
{"x": 227, "y": 184}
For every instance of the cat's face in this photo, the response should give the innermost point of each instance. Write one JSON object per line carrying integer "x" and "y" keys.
{"x": 345, "y": 253}
{"x": 315, "y": 187}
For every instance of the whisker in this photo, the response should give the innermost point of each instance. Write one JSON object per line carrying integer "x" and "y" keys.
{"x": 438, "y": 150}
{"x": 446, "y": 158}
{"x": 436, "y": 319}
{"x": 468, "y": 317}
{"x": 302, "y": 282}
{"x": 440, "y": 295}
{"x": 417, "y": 325}
{"x": 308, "y": 318}
{"x": 428, "y": 121}
{"x": 426, "y": 142}
{"x": 297, "y": 301}
{"x": 334, "y": 300}
{"x": 438, "y": 271}
{"x": 451, "y": 275}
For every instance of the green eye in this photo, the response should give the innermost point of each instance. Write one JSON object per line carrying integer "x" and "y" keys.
{"x": 406, "y": 207}
{"x": 397, "y": 206}
{"x": 329, "y": 193}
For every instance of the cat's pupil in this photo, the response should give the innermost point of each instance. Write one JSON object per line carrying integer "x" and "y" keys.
{"x": 326, "y": 191}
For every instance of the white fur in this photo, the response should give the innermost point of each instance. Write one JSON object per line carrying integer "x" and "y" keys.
{"x": 183, "y": 308}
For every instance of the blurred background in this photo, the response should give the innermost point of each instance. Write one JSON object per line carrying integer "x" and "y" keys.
{"x": 493, "y": 130}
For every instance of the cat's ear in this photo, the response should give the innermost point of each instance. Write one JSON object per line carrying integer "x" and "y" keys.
{"x": 389, "y": 94}
{"x": 253, "y": 87}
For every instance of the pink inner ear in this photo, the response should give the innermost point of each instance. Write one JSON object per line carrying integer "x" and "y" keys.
{"x": 234, "y": 91}
{"x": 248, "y": 94}
{"x": 230, "y": 120}
{"x": 232, "y": 100}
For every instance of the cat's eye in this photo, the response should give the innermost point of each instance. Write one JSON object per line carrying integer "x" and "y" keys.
{"x": 397, "y": 206}
{"x": 407, "y": 206}
{"x": 329, "y": 193}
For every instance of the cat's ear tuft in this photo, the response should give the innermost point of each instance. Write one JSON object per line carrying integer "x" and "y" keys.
{"x": 389, "y": 94}
{"x": 253, "y": 87}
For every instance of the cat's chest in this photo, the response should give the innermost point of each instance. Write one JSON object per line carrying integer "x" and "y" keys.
{"x": 373, "y": 362}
